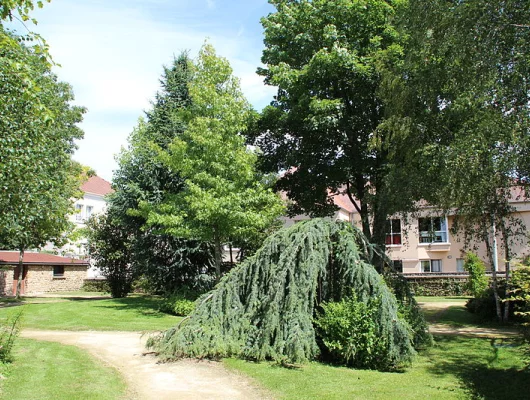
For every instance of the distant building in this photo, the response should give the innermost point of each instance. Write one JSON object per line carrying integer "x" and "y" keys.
{"x": 424, "y": 244}
{"x": 42, "y": 273}
{"x": 93, "y": 202}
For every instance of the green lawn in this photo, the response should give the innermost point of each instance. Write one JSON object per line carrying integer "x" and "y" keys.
{"x": 51, "y": 371}
{"x": 134, "y": 313}
{"x": 455, "y": 368}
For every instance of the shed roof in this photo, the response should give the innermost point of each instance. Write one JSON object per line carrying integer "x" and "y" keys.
{"x": 11, "y": 258}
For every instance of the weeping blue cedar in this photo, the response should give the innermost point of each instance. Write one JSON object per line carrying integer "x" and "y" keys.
{"x": 264, "y": 308}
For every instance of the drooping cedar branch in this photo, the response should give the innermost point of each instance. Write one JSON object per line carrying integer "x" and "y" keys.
{"x": 264, "y": 308}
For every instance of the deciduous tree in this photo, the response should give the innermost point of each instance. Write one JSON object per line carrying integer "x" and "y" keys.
{"x": 222, "y": 197}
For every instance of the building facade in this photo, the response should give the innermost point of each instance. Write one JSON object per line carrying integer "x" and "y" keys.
{"x": 424, "y": 244}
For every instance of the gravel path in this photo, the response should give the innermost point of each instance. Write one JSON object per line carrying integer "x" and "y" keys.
{"x": 146, "y": 380}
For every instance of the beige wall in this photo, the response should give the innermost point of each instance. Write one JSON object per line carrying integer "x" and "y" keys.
{"x": 411, "y": 251}
{"x": 40, "y": 279}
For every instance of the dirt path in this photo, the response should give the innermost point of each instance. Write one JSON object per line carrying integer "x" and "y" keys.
{"x": 146, "y": 380}
{"x": 445, "y": 329}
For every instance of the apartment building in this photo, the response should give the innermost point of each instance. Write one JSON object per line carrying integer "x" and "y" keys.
{"x": 424, "y": 244}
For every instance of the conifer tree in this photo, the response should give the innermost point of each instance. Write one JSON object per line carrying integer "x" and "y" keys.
{"x": 264, "y": 308}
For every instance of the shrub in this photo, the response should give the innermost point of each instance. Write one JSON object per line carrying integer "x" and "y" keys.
{"x": 96, "y": 285}
{"x": 478, "y": 281}
{"x": 181, "y": 302}
{"x": 349, "y": 334}
{"x": 9, "y": 330}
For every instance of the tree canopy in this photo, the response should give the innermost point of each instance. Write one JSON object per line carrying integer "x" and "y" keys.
{"x": 223, "y": 197}
{"x": 37, "y": 132}
{"x": 324, "y": 125}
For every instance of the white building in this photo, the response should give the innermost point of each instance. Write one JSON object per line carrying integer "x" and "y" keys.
{"x": 93, "y": 202}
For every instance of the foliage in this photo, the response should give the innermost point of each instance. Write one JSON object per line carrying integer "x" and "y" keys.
{"x": 181, "y": 303}
{"x": 478, "y": 282}
{"x": 264, "y": 308}
{"x": 109, "y": 246}
{"x": 348, "y": 331}
{"x": 165, "y": 261}
{"x": 325, "y": 125}
{"x": 462, "y": 113}
{"x": 9, "y": 331}
{"x": 521, "y": 291}
{"x": 37, "y": 131}
{"x": 439, "y": 287}
{"x": 95, "y": 285}
{"x": 223, "y": 197}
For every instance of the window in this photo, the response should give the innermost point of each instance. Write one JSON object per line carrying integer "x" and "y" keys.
{"x": 433, "y": 230}
{"x": 398, "y": 265}
{"x": 431, "y": 265}
{"x": 58, "y": 271}
{"x": 78, "y": 212}
{"x": 393, "y": 231}
{"x": 460, "y": 265}
{"x": 88, "y": 211}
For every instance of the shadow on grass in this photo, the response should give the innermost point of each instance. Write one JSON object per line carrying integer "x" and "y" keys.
{"x": 143, "y": 305}
{"x": 479, "y": 368}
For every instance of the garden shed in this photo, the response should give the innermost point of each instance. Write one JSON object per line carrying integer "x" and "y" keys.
{"x": 42, "y": 273}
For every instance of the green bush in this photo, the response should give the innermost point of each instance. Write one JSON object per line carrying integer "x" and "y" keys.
{"x": 95, "y": 285}
{"x": 349, "y": 334}
{"x": 478, "y": 282}
{"x": 180, "y": 303}
{"x": 9, "y": 330}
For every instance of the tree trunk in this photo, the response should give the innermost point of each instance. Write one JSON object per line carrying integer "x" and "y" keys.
{"x": 20, "y": 272}
{"x": 492, "y": 254}
{"x": 218, "y": 257}
{"x": 506, "y": 240}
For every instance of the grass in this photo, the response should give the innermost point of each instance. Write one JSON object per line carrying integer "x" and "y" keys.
{"x": 134, "y": 313}
{"x": 442, "y": 299}
{"x": 455, "y": 368}
{"x": 50, "y": 371}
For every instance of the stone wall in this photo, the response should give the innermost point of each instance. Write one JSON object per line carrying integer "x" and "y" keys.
{"x": 440, "y": 284}
{"x": 40, "y": 279}
{"x": 6, "y": 280}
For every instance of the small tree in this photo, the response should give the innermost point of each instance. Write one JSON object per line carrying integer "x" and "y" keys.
{"x": 222, "y": 198}
{"x": 109, "y": 246}
{"x": 477, "y": 282}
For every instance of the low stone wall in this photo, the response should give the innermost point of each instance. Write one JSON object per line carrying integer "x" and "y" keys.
{"x": 40, "y": 279}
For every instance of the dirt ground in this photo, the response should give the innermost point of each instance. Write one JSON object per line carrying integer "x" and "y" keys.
{"x": 146, "y": 380}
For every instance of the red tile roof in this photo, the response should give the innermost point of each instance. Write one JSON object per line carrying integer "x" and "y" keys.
{"x": 96, "y": 185}
{"x": 11, "y": 257}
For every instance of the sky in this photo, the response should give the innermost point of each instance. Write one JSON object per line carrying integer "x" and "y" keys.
{"x": 112, "y": 53}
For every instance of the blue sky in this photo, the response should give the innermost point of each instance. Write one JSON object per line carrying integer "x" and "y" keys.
{"x": 112, "y": 52}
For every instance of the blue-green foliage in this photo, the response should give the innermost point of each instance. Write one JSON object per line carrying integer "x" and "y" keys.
{"x": 264, "y": 308}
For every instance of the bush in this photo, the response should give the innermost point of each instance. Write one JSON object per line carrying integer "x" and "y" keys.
{"x": 478, "y": 281}
{"x": 9, "y": 330}
{"x": 348, "y": 333}
{"x": 96, "y": 285}
{"x": 181, "y": 302}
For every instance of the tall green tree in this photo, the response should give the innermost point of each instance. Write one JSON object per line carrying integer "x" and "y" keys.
{"x": 324, "y": 125}
{"x": 223, "y": 197}
{"x": 38, "y": 178}
{"x": 462, "y": 106}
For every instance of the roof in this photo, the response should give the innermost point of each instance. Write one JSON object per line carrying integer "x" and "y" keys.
{"x": 343, "y": 201}
{"x": 97, "y": 185}
{"x": 11, "y": 257}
